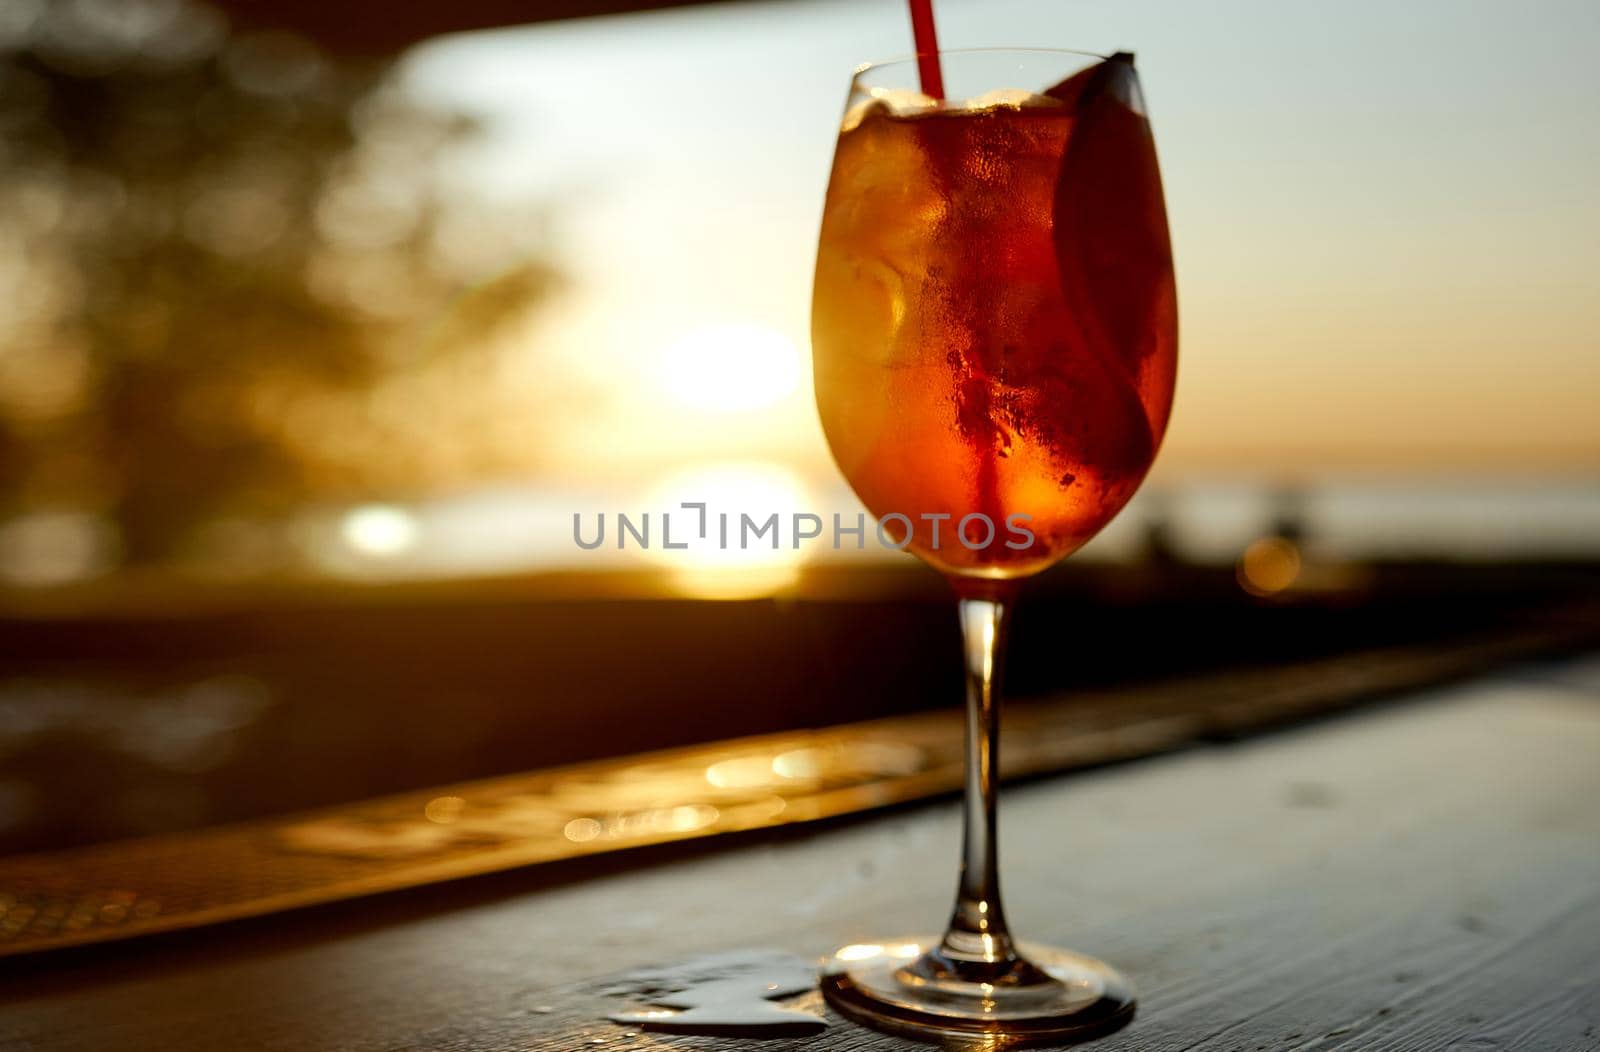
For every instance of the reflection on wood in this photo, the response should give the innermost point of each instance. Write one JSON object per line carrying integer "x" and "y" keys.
{"x": 1421, "y": 876}
{"x": 154, "y": 884}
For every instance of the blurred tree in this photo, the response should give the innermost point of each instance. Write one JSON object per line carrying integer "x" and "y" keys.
{"x": 236, "y": 277}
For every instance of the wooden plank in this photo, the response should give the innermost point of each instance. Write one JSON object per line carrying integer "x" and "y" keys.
{"x": 1422, "y": 876}
{"x": 118, "y": 890}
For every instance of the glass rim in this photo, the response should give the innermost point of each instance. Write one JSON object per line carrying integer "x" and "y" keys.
{"x": 876, "y": 64}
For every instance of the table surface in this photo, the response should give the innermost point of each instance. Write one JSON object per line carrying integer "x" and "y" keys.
{"x": 1420, "y": 875}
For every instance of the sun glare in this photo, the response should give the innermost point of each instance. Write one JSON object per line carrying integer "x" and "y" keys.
{"x": 379, "y": 530}
{"x": 714, "y": 568}
{"x": 731, "y": 368}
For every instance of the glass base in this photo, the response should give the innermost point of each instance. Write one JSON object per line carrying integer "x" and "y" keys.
{"x": 906, "y": 987}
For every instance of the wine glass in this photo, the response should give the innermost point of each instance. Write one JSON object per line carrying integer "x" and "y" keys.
{"x": 995, "y": 333}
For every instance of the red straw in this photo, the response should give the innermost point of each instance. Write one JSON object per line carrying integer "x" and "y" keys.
{"x": 927, "y": 48}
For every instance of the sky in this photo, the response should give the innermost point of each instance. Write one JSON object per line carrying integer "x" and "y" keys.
{"x": 1383, "y": 216}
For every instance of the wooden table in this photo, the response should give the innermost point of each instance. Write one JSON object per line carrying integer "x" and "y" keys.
{"x": 1421, "y": 875}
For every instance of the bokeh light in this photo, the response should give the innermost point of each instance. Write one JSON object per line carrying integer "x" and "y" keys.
{"x": 1269, "y": 566}
{"x": 380, "y": 530}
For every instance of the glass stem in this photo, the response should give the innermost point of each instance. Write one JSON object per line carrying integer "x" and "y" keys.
{"x": 978, "y": 940}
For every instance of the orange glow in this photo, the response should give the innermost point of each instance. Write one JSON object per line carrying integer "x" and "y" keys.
{"x": 1269, "y": 566}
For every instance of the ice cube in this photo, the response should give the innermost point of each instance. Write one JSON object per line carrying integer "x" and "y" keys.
{"x": 890, "y": 102}
{"x": 859, "y": 112}
{"x": 1014, "y": 98}
{"x": 903, "y": 102}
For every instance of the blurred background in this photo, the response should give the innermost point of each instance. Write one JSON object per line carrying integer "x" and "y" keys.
{"x": 324, "y": 320}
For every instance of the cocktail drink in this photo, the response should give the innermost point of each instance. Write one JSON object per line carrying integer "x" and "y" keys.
{"x": 994, "y": 329}
{"x": 994, "y": 318}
